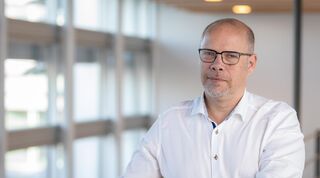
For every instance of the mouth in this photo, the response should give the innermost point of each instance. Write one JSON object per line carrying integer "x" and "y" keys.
{"x": 216, "y": 79}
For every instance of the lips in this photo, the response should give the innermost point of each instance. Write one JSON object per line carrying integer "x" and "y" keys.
{"x": 216, "y": 78}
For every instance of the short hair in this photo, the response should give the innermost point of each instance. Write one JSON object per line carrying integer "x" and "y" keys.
{"x": 233, "y": 22}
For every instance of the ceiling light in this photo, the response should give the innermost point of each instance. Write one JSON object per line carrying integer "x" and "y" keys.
{"x": 213, "y": 0}
{"x": 241, "y": 9}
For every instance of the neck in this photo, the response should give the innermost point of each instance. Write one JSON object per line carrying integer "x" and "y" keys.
{"x": 220, "y": 107}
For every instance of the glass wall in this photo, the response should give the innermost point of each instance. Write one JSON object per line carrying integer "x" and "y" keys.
{"x": 29, "y": 162}
{"x": 61, "y": 100}
{"x": 86, "y": 85}
{"x": 26, "y": 87}
{"x": 137, "y": 18}
{"x": 32, "y": 10}
{"x": 99, "y": 15}
{"x": 137, "y": 83}
{"x": 131, "y": 140}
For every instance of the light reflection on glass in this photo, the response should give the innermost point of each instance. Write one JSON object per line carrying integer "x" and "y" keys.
{"x": 87, "y": 84}
{"x": 27, "y": 163}
{"x": 136, "y": 84}
{"x": 30, "y": 10}
{"x": 98, "y": 15}
{"x": 99, "y": 154}
{"x": 86, "y": 91}
{"x": 26, "y": 93}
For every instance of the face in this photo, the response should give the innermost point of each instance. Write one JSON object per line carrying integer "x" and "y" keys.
{"x": 219, "y": 79}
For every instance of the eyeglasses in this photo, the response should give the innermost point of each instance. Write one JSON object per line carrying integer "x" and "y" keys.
{"x": 228, "y": 57}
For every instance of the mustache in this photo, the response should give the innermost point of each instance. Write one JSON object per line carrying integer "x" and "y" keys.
{"x": 217, "y": 76}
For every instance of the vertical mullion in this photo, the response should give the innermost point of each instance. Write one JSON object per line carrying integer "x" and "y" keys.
{"x": 138, "y": 77}
{"x": 103, "y": 53}
{"x": 154, "y": 20}
{"x": 102, "y": 58}
{"x": 297, "y": 12}
{"x": 51, "y": 59}
{"x": 3, "y": 55}
{"x": 119, "y": 49}
{"x": 68, "y": 124}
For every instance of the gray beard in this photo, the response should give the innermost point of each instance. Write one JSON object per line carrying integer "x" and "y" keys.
{"x": 215, "y": 94}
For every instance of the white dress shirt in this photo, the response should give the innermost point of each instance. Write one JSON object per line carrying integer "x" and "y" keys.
{"x": 260, "y": 138}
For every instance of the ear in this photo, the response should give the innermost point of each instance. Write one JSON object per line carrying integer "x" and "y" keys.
{"x": 252, "y": 62}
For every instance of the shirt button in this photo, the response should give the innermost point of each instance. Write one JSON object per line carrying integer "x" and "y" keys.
{"x": 217, "y": 132}
{"x": 215, "y": 157}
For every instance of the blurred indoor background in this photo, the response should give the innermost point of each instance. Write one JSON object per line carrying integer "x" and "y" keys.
{"x": 81, "y": 81}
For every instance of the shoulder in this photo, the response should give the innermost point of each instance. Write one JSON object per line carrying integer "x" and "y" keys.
{"x": 276, "y": 120}
{"x": 183, "y": 107}
{"x": 178, "y": 112}
{"x": 170, "y": 118}
{"x": 276, "y": 113}
{"x": 269, "y": 106}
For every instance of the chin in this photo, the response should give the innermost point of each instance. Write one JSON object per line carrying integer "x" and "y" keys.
{"x": 216, "y": 93}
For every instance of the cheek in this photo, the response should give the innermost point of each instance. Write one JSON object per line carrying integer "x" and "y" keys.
{"x": 202, "y": 77}
{"x": 240, "y": 76}
{"x": 203, "y": 71}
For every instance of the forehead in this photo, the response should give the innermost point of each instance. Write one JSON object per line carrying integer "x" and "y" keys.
{"x": 226, "y": 37}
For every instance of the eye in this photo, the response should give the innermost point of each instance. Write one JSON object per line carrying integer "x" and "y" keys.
{"x": 206, "y": 52}
{"x": 213, "y": 54}
{"x": 231, "y": 55}
{"x": 209, "y": 53}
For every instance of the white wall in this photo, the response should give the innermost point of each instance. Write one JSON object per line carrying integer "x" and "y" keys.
{"x": 178, "y": 70}
{"x": 310, "y": 84}
{"x": 178, "y": 66}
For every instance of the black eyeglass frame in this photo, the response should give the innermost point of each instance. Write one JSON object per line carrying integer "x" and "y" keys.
{"x": 221, "y": 53}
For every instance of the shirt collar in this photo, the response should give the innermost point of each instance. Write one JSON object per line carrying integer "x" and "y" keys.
{"x": 242, "y": 107}
{"x": 199, "y": 107}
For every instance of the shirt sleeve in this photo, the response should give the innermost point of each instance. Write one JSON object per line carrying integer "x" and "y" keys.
{"x": 283, "y": 153}
{"x": 144, "y": 163}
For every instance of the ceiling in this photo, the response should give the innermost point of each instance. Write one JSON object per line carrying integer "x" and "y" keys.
{"x": 268, "y": 6}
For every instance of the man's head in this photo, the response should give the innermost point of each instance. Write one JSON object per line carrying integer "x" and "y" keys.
{"x": 232, "y": 22}
{"x": 226, "y": 74}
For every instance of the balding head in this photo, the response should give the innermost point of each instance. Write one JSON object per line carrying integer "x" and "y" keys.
{"x": 232, "y": 23}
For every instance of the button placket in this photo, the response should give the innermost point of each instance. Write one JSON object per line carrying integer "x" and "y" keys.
{"x": 214, "y": 152}
{"x": 215, "y": 143}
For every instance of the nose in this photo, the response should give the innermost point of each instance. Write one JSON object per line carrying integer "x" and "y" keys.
{"x": 217, "y": 64}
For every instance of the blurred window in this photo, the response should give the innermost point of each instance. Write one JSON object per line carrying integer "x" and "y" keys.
{"x": 131, "y": 139}
{"x": 95, "y": 157}
{"x": 98, "y": 15}
{"x": 27, "y": 163}
{"x": 26, "y": 89}
{"x": 137, "y": 18}
{"x": 136, "y": 84}
{"x": 32, "y": 10}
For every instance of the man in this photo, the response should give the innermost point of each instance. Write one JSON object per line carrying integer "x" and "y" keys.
{"x": 227, "y": 132}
